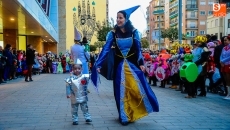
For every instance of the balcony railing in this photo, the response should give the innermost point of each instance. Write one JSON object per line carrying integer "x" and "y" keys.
{"x": 173, "y": 13}
{"x": 174, "y": 4}
{"x": 159, "y": 20}
{"x": 157, "y": 27}
{"x": 173, "y": 22}
{"x": 191, "y": 6}
{"x": 159, "y": 5}
{"x": 191, "y": 17}
{"x": 158, "y": 12}
{"x": 191, "y": 27}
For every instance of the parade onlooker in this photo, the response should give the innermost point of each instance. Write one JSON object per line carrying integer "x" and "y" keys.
{"x": 2, "y": 64}
{"x": 225, "y": 64}
{"x": 217, "y": 52}
{"x": 30, "y": 56}
{"x": 9, "y": 61}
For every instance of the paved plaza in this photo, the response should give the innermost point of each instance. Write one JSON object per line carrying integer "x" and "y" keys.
{"x": 42, "y": 104}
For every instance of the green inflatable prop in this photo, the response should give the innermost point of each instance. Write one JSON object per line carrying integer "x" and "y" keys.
{"x": 189, "y": 71}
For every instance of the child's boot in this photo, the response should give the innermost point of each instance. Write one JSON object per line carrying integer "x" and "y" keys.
{"x": 87, "y": 117}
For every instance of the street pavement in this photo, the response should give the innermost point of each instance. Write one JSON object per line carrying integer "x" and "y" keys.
{"x": 42, "y": 105}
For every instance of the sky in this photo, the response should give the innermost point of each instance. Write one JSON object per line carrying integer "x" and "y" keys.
{"x": 138, "y": 18}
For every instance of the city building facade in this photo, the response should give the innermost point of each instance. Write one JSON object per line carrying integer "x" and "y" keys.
{"x": 159, "y": 23}
{"x": 194, "y": 18}
{"x": 34, "y": 22}
{"x": 215, "y": 26}
{"x": 150, "y": 23}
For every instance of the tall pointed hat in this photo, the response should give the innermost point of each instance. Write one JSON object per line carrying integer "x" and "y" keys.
{"x": 129, "y": 11}
{"x": 77, "y": 35}
{"x": 78, "y": 62}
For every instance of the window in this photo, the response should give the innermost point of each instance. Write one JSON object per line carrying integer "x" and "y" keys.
{"x": 216, "y": 35}
{"x": 202, "y": 3}
{"x": 192, "y": 25}
{"x": 202, "y": 22}
{"x": 192, "y": 33}
{"x": 221, "y": 35}
{"x": 193, "y": 14}
{"x": 210, "y": 3}
{"x": 202, "y": 12}
{"x": 210, "y": 12}
{"x": 228, "y": 23}
{"x": 216, "y": 22}
{"x": 191, "y": 2}
{"x": 202, "y": 32}
{"x": 212, "y": 23}
{"x": 192, "y": 42}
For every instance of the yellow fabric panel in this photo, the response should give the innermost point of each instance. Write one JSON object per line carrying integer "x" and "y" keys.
{"x": 133, "y": 101}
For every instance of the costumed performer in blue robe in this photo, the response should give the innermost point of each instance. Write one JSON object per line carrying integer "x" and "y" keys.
{"x": 78, "y": 52}
{"x": 133, "y": 95}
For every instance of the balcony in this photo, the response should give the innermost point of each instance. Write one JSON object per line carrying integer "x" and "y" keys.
{"x": 173, "y": 14}
{"x": 157, "y": 27}
{"x": 158, "y": 12}
{"x": 192, "y": 27}
{"x": 191, "y": 17}
{"x": 174, "y": 4}
{"x": 191, "y": 7}
{"x": 156, "y": 41}
{"x": 173, "y": 23}
{"x": 190, "y": 37}
{"x": 159, "y": 20}
{"x": 159, "y": 5}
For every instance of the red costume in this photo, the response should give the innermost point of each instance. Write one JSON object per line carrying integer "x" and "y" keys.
{"x": 63, "y": 63}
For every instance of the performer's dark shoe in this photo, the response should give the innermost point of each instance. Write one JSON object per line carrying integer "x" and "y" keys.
{"x": 31, "y": 80}
{"x": 223, "y": 94}
{"x": 188, "y": 96}
{"x": 154, "y": 84}
{"x": 88, "y": 120}
{"x": 124, "y": 123}
{"x": 75, "y": 123}
{"x": 202, "y": 94}
{"x": 26, "y": 80}
{"x": 178, "y": 90}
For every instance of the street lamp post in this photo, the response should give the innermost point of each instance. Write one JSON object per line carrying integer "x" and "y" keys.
{"x": 180, "y": 21}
